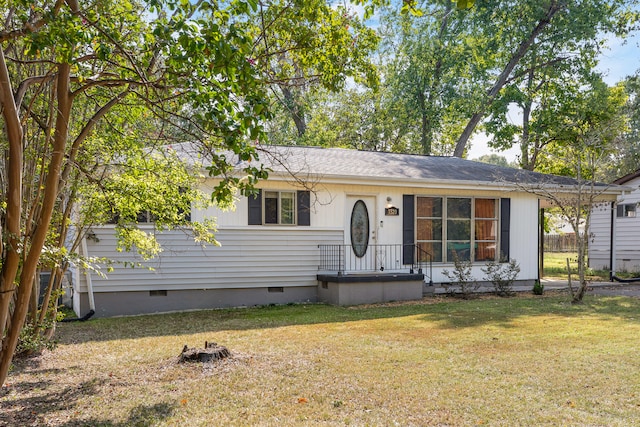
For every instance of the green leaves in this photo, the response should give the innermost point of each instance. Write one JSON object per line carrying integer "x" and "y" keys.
{"x": 464, "y": 4}
{"x": 411, "y": 6}
{"x": 308, "y": 46}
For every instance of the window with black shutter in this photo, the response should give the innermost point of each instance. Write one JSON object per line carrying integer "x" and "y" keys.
{"x": 276, "y": 207}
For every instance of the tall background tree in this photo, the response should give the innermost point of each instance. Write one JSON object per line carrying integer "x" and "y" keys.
{"x": 427, "y": 73}
{"x": 450, "y": 72}
{"x": 625, "y": 158}
{"x": 536, "y": 35}
{"x": 556, "y": 65}
{"x": 305, "y": 47}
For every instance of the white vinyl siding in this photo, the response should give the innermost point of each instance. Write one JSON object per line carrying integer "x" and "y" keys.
{"x": 251, "y": 258}
{"x": 599, "y": 243}
{"x": 285, "y": 256}
{"x": 524, "y": 234}
{"x": 627, "y": 233}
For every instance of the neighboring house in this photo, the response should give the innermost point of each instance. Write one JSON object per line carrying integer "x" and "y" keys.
{"x": 622, "y": 252}
{"x": 352, "y": 227}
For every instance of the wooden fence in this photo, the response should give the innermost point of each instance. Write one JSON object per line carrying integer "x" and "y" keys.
{"x": 560, "y": 242}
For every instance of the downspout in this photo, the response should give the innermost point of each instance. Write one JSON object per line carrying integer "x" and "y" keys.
{"x": 540, "y": 242}
{"x": 612, "y": 258}
{"x": 87, "y": 273}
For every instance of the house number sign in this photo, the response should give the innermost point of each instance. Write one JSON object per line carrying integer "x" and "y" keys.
{"x": 359, "y": 228}
{"x": 391, "y": 211}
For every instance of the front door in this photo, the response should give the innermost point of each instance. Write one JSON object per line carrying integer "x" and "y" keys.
{"x": 360, "y": 233}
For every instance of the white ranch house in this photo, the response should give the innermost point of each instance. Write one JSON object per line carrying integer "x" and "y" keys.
{"x": 364, "y": 227}
{"x": 618, "y": 251}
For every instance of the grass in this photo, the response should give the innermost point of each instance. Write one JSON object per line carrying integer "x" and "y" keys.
{"x": 501, "y": 362}
{"x": 555, "y": 266}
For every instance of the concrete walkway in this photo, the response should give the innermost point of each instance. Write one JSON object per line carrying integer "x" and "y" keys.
{"x": 599, "y": 288}
{"x": 596, "y": 288}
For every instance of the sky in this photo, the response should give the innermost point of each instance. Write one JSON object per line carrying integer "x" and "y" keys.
{"x": 617, "y": 62}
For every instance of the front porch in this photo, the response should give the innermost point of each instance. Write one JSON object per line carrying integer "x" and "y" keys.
{"x": 383, "y": 273}
{"x": 369, "y": 288}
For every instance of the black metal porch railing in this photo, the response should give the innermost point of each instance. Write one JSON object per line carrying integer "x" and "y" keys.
{"x": 424, "y": 262}
{"x": 381, "y": 258}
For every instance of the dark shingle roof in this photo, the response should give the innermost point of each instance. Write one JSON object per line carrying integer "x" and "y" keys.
{"x": 346, "y": 164}
{"x": 356, "y": 164}
{"x": 628, "y": 177}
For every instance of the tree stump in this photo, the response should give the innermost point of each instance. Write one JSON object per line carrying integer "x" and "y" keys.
{"x": 211, "y": 352}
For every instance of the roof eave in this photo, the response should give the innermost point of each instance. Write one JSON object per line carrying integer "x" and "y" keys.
{"x": 447, "y": 184}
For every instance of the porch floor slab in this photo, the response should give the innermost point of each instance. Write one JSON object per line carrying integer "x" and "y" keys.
{"x": 354, "y": 289}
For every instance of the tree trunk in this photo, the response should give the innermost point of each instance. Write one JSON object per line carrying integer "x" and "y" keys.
{"x": 425, "y": 138}
{"x": 53, "y": 280}
{"x": 11, "y": 228}
{"x": 32, "y": 259}
{"x": 475, "y": 119}
{"x": 570, "y": 285}
{"x": 211, "y": 352}
{"x": 582, "y": 244}
{"x": 296, "y": 110}
{"x": 525, "y": 142}
{"x": 426, "y": 103}
{"x": 33, "y": 301}
{"x": 461, "y": 144}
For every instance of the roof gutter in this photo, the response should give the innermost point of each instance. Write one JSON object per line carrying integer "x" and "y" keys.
{"x": 440, "y": 183}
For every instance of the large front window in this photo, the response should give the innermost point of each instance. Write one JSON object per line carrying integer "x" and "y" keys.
{"x": 429, "y": 227}
{"x": 486, "y": 229}
{"x": 462, "y": 227}
{"x": 458, "y": 229}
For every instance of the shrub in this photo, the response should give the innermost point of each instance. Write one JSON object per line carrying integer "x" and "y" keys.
{"x": 502, "y": 275}
{"x": 461, "y": 278}
{"x": 35, "y": 337}
{"x": 538, "y": 288}
{"x": 32, "y": 341}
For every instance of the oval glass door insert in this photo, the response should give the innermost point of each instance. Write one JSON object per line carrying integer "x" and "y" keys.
{"x": 359, "y": 228}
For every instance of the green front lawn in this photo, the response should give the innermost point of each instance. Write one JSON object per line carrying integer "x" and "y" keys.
{"x": 517, "y": 361}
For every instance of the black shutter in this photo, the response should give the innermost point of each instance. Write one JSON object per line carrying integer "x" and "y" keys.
{"x": 505, "y": 223}
{"x": 408, "y": 228}
{"x": 304, "y": 207}
{"x": 255, "y": 209}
